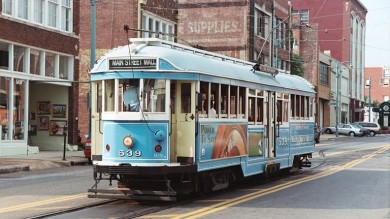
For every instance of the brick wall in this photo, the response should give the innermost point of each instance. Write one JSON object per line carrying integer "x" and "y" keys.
{"x": 111, "y": 16}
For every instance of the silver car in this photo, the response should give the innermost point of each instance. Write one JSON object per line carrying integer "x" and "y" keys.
{"x": 345, "y": 129}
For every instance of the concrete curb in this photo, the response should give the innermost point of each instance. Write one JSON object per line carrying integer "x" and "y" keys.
{"x": 14, "y": 168}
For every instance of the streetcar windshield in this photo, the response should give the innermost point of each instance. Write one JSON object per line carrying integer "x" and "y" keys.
{"x": 136, "y": 93}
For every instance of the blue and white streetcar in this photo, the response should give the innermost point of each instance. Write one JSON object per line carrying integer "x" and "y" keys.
{"x": 169, "y": 119}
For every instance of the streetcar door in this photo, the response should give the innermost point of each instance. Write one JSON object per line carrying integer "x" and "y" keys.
{"x": 270, "y": 108}
{"x": 185, "y": 121}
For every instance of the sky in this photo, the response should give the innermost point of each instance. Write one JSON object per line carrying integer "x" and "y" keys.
{"x": 377, "y": 33}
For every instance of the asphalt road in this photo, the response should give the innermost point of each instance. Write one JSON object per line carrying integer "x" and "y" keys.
{"x": 350, "y": 178}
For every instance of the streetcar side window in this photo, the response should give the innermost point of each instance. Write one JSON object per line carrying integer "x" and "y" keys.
{"x": 251, "y": 106}
{"x": 233, "y": 101}
{"x": 204, "y": 93}
{"x": 285, "y": 107}
{"x": 109, "y": 97}
{"x": 224, "y": 100}
{"x": 214, "y": 104}
{"x": 292, "y": 106}
{"x": 241, "y": 102}
{"x": 260, "y": 107}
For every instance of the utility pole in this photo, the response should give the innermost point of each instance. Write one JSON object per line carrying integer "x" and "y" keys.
{"x": 337, "y": 97}
{"x": 369, "y": 99}
{"x": 92, "y": 58}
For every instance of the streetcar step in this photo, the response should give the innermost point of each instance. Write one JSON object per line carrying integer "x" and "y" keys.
{"x": 132, "y": 194}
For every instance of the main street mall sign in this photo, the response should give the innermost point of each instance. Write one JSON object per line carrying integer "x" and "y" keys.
{"x": 122, "y": 64}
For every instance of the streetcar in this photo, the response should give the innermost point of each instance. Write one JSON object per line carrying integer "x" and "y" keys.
{"x": 170, "y": 120}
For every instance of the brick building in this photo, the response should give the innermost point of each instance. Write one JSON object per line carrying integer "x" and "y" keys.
{"x": 238, "y": 28}
{"x": 379, "y": 78}
{"x": 156, "y": 17}
{"x": 39, "y": 46}
{"x": 341, "y": 34}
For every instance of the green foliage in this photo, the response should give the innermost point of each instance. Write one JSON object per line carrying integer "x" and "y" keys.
{"x": 374, "y": 103}
{"x": 297, "y": 65}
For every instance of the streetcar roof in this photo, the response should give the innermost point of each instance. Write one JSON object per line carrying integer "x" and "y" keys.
{"x": 188, "y": 60}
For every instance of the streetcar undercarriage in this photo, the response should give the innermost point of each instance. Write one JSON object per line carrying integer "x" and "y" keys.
{"x": 169, "y": 183}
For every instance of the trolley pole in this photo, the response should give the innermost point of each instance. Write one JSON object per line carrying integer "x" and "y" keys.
{"x": 92, "y": 59}
{"x": 337, "y": 98}
{"x": 369, "y": 99}
{"x": 65, "y": 129}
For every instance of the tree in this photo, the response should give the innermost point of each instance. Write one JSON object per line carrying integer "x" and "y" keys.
{"x": 297, "y": 65}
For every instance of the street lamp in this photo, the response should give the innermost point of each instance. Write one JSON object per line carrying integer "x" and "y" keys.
{"x": 337, "y": 97}
{"x": 338, "y": 74}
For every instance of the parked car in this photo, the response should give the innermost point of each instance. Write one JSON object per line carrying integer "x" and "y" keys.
{"x": 317, "y": 133}
{"x": 365, "y": 131}
{"x": 87, "y": 149}
{"x": 373, "y": 127}
{"x": 346, "y": 129}
{"x": 331, "y": 129}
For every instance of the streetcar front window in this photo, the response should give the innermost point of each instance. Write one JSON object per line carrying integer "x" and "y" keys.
{"x": 128, "y": 95}
{"x": 154, "y": 95}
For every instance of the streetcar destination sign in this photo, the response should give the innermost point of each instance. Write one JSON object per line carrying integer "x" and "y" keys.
{"x": 115, "y": 64}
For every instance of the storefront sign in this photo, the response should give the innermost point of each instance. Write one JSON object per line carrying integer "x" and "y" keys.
{"x": 121, "y": 64}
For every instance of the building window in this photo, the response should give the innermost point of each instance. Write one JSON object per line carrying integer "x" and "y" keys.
{"x": 35, "y": 61}
{"x": 7, "y": 7}
{"x": 304, "y": 16}
{"x": 49, "y": 64}
{"x": 38, "y": 11}
{"x": 4, "y": 56}
{"x": 324, "y": 74}
{"x": 23, "y": 9}
{"x": 52, "y": 13}
{"x": 66, "y": 15}
{"x": 385, "y": 82}
{"x": 261, "y": 21}
{"x": 56, "y": 14}
{"x": 19, "y": 58}
{"x": 154, "y": 25}
{"x": 64, "y": 67}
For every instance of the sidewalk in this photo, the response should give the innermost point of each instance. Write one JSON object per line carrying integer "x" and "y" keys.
{"x": 41, "y": 160}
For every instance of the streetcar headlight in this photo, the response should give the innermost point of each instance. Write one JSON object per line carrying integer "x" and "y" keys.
{"x": 128, "y": 141}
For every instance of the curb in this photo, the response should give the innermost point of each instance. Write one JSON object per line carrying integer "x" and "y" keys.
{"x": 14, "y": 168}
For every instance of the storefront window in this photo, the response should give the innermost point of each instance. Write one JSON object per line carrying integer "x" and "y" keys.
{"x": 64, "y": 67}
{"x": 49, "y": 65}
{"x": 4, "y": 56}
{"x": 4, "y": 105}
{"x": 35, "y": 64}
{"x": 19, "y": 108}
{"x": 19, "y": 58}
